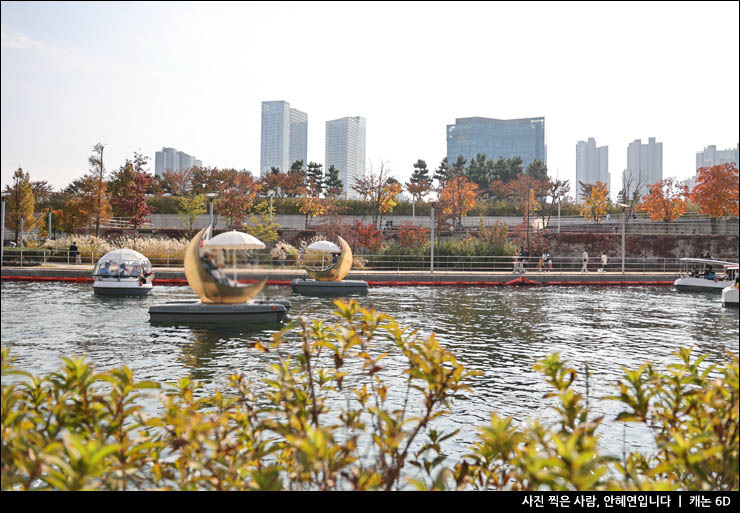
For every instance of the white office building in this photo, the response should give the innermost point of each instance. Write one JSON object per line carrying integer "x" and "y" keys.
{"x": 171, "y": 159}
{"x": 592, "y": 165}
{"x": 644, "y": 165}
{"x": 711, "y": 157}
{"x": 284, "y": 136}
{"x": 345, "y": 150}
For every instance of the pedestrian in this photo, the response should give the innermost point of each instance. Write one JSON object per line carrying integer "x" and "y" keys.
{"x": 281, "y": 257}
{"x": 516, "y": 260}
{"x": 525, "y": 258}
{"x": 75, "y": 253}
{"x": 603, "y": 261}
{"x": 275, "y": 254}
{"x": 584, "y": 259}
{"x": 541, "y": 263}
{"x": 548, "y": 261}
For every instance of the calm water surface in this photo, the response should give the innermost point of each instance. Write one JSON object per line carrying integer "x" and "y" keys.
{"x": 500, "y": 332}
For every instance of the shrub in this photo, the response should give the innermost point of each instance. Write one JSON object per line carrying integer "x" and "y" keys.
{"x": 327, "y": 401}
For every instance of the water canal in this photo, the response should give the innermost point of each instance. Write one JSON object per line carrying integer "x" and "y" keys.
{"x": 500, "y": 332}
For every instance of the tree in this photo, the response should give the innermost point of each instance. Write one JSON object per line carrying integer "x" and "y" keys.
{"x": 295, "y": 181}
{"x": 480, "y": 172}
{"x": 260, "y": 223}
{"x": 380, "y": 188}
{"x": 506, "y": 170}
{"x": 411, "y": 235}
{"x": 20, "y": 204}
{"x": 131, "y": 183}
{"x": 315, "y": 179}
{"x": 524, "y": 191}
{"x": 237, "y": 196}
{"x": 458, "y": 198}
{"x": 594, "y": 206}
{"x": 666, "y": 201}
{"x": 420, "y": 182}
{"x": 442, "y": 173}
{"x": 716, "y": 190}
{"x": 98, "y": 170}
{"x": 537, "y": 170}
{"x": 558, "y": 193}
{"x": 334, "y": 186}
{"x": 177, "y": 182}
{"x": 189, "y": 207}
{"x": 630, "y": 193}
{"x": 84, "y": 202}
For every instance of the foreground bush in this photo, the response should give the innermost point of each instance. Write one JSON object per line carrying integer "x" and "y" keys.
{"x": 327, "y": 421}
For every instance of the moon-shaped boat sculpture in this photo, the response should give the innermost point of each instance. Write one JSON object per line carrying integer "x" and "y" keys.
{"x": 338, "y": 270}
{"x": 206, "y": 285}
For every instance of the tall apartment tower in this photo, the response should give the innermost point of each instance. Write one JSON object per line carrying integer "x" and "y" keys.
{"x": 173, "y": 160}
{"x": 345, "y": 149}
{"x": 592, "y": 165}
{"x": 710, "y": 157}
{"x": 284, "y": 136}
{"x": 508, "y": 138}
{"x": 644, "y": 165}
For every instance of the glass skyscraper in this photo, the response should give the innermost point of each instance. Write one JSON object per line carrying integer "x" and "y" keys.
{"x": 496, "y": 138}
{"x": 284, "y": 136}
{"x": 345, "y": 149}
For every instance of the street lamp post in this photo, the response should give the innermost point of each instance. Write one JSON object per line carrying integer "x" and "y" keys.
{"x": 623, "y": 207}
{"x": 431, "y": 263}
{"x": 211, "y": 196}
{"x": 2, "y": 241}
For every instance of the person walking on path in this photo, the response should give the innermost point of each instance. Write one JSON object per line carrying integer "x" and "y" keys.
{"x": 584, "y": 258}
{"x": 74, "y": 252}
{"x": 548, "y": 261}
{"x": 603, "y": 261}
{"x": 516, "y": 261}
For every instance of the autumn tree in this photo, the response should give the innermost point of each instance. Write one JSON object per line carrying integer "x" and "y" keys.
{"x": 19, "y": 204}
{"x": 177, "y": 181}
{"x": 666, "y": 200}
{"x": 97, "y": 170}
{"x": 380, "y": 188}
{"x": 85, "y": 203}
{"x": 189, "y": 207}
{"x": 411, "y": 235}
{"x": 365, "y": 236}
{"x": 595, "y": 204}
{"x": 236, "y": 197}
{"x": 420, "y": 182}
{"x": 716, "y": 190}
{"x": 260, "y": 223}
{"x": 294, "y": 184}
{"x": 128, "y": 189}
{"x": 458, "y": 198}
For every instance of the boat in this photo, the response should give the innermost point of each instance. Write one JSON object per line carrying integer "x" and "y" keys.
{"x": 730, "y": 293}
{"x": 223, "y": 300}
{"x": 327, "y": 279}
{"x": 705, "y": 275}
{"x": 123, "y": 272}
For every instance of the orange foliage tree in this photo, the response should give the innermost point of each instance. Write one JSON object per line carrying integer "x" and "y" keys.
{"x": 364, "y": 236}
{"x": 411, "y": 235}
{"x": 236, "y": 197}
{"x": 716, "y": 190}
{"x": 666, "y": 201}
{"x": 458, "y": 198}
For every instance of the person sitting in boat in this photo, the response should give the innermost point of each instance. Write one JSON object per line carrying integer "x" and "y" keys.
{"x": 334, "y": 258}
{"x": 105, "y": 270}
{"x": 214, "y": 270}
{"x": 135, "y": 271}
{"x": 710, "y": 274}
{"x": 122, "y": 272}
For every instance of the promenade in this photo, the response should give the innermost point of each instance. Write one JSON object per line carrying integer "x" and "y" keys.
{"x": 176, "y": 276}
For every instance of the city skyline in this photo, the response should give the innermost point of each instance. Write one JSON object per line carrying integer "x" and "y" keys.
{"x": 76, "y": 74}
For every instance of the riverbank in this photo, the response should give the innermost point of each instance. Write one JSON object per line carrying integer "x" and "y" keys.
{"x": 176, "y": 276}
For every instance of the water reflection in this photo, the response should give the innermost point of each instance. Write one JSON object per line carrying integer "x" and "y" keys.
{"x": 499, "y": 331}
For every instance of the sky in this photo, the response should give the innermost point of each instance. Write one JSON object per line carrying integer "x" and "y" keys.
{"x": 140, "y": 76}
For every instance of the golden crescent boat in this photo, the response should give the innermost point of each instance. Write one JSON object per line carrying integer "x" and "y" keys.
{"x": 330, "y": 282}
{"x": 338, "y": 270}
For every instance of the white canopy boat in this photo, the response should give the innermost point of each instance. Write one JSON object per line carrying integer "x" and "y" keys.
{"x": 730, "y": 294}
{"x": 705, "y": 275}
{"x": 123, "y": 272}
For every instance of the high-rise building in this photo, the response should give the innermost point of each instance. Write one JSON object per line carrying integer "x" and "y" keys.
{"x": 644, "y": 166}
{"x": 592, "y": 165}
{"x": 345, "y": 149}
{"x": 173, "y": 160}
{"x": 284, "y": 136}
{"x": 508, "y": 138}
{"x": 711, "y": 157}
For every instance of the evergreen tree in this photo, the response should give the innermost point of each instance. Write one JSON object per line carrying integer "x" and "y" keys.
{"x": 537, "y": 170}
{"x": 420, "y": 182}
{"x": 442, "y": 173}
{"x": 480, "y": 172}
{"x": 315, "y": 179}
{"x": 334, "y": 186}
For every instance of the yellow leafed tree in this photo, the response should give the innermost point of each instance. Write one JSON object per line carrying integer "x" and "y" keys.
{"x": 594, "y": 206}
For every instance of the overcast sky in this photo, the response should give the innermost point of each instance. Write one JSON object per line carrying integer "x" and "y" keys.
{"x": 139, "y": 76}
